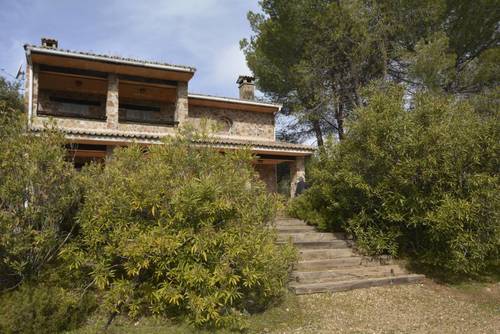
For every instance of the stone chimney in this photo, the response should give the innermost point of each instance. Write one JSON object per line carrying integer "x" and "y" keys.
{"x": 49, "y": 42}
{"x": 246, "y": 84}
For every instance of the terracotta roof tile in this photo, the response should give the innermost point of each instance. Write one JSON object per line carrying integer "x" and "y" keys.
{"x": 218, "y": 141}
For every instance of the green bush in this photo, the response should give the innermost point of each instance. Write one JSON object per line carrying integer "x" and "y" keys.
{"x": 37, "y": 194}
{"x": 420, "y": 181}
{"x": 179, "y": 230}
{"x": 42, "y": 309}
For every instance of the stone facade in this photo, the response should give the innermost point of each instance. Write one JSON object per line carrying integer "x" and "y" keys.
{"x": 181, "y": 105}
{"x": 239, "y": 124}
{"x": 297, "y": 172}
{"x": 35, "y": 88}
{"x": 85, "y": 102}
{"x": 244, "y": 124}
{"x": 112, "y": 102}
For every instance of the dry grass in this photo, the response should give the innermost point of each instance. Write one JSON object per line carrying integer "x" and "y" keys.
{"x": 419, "y": 308}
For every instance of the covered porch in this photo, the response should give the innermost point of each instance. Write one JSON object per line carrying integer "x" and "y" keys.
{"x": 90, "y": 145}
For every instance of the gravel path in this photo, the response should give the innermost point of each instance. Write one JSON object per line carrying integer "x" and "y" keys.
{"x": 419, "y": 308}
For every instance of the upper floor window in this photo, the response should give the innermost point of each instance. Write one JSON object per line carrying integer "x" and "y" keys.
{"x": 137, "y": 112}
{"x": 69, "y": 104}
{"x": 146, "y": 112}
{"x": 64, "y": 95}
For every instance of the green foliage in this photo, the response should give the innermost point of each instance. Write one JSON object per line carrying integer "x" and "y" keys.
{"x": 315, "y": 56}
{"x": 10, "y": 100}
{"x": 432, "y": 63}
{"x": 420, "y": 181}
{"x": 37, "y": 195}
{"x": 42, "y": 309}
{"x": 443, "y": 45}
{"x": 179, "y": 231}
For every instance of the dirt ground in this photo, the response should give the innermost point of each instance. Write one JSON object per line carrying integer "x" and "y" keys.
{"x": 418, "y": 308}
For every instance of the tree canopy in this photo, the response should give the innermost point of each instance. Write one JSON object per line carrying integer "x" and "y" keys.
{"x": 420, "y": 183}
{"x": 316, "y": 55}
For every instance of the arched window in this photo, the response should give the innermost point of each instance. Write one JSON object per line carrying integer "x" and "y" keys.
{"x": 224, "y": 125}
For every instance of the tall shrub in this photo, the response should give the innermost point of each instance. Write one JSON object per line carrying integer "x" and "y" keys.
{"x": 179, "y": 230}
{"x": 37, "y": 194}
{"x": 43, "y": 309}
{"x": 419, "y": 179}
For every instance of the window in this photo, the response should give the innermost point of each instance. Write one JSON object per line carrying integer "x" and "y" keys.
{"x": 224, "y": 125}
{"x": 144, "y": 113}
{"x": 64, "y": 106}
{"x": 139, "y": 113}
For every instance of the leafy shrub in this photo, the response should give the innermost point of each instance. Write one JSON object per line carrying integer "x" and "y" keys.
{"x": 42, "y": 309}
{"x": 421, "y": 181}
{"x": 179, "y": 230}
{"x": 37, "y": 194}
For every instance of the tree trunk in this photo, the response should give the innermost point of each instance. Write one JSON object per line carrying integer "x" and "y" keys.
{"x": 317, "y": 131}
{"x": 339, "y": 117}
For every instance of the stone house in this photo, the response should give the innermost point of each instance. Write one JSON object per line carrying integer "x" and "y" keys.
{"x": 103, "y": 101}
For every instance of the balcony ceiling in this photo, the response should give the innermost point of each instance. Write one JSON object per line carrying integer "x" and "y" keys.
{"x": 69, "y": 61}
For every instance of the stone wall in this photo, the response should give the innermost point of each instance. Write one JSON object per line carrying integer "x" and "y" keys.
{"x": 297, "y": 173}
{"x": 76, "y": 123}
{"x": 181, "y": 105}
{"x": 112, "y": 101}
{"x": 244, "y": 124}
{"x": 267, "y": 173}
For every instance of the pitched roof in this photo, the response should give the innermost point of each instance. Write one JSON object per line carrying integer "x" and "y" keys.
{"x": 107, "y": 58}
{"x": 234, "y": 100}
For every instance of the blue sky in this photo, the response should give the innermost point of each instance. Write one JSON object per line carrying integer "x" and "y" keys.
{"x": 200, "y": 33}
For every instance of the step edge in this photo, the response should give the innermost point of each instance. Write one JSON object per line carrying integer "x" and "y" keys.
{"x": 397, "y": 279}
{"x": 341, "y": 270}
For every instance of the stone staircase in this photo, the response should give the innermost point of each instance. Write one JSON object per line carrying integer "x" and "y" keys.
{"x": 328, "y": 262}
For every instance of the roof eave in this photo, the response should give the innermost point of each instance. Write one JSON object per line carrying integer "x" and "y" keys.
{"x": 143, "y": 138}
{"x": 30, "y": 48}
{"x": 236, "y": 101}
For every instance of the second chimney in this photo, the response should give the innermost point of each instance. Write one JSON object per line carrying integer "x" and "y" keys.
{"x": 246, "y": 84}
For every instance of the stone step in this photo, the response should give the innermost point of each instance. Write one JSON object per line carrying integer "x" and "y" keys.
{"x": 294, "y": 229}
{"x": 308, "y": 236}
{"x": 318, "y": 254}
{"x": 341, "y": 262}
{"x": 333, "y": 244}
{"x": 302, "y": 288}
{"x": 309, "y": 233}
{"x": 289, "y": 222}
{"x": 328, "y": 261}
{"x": 344, "y": 274}
{"x": 329, "y": 264}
